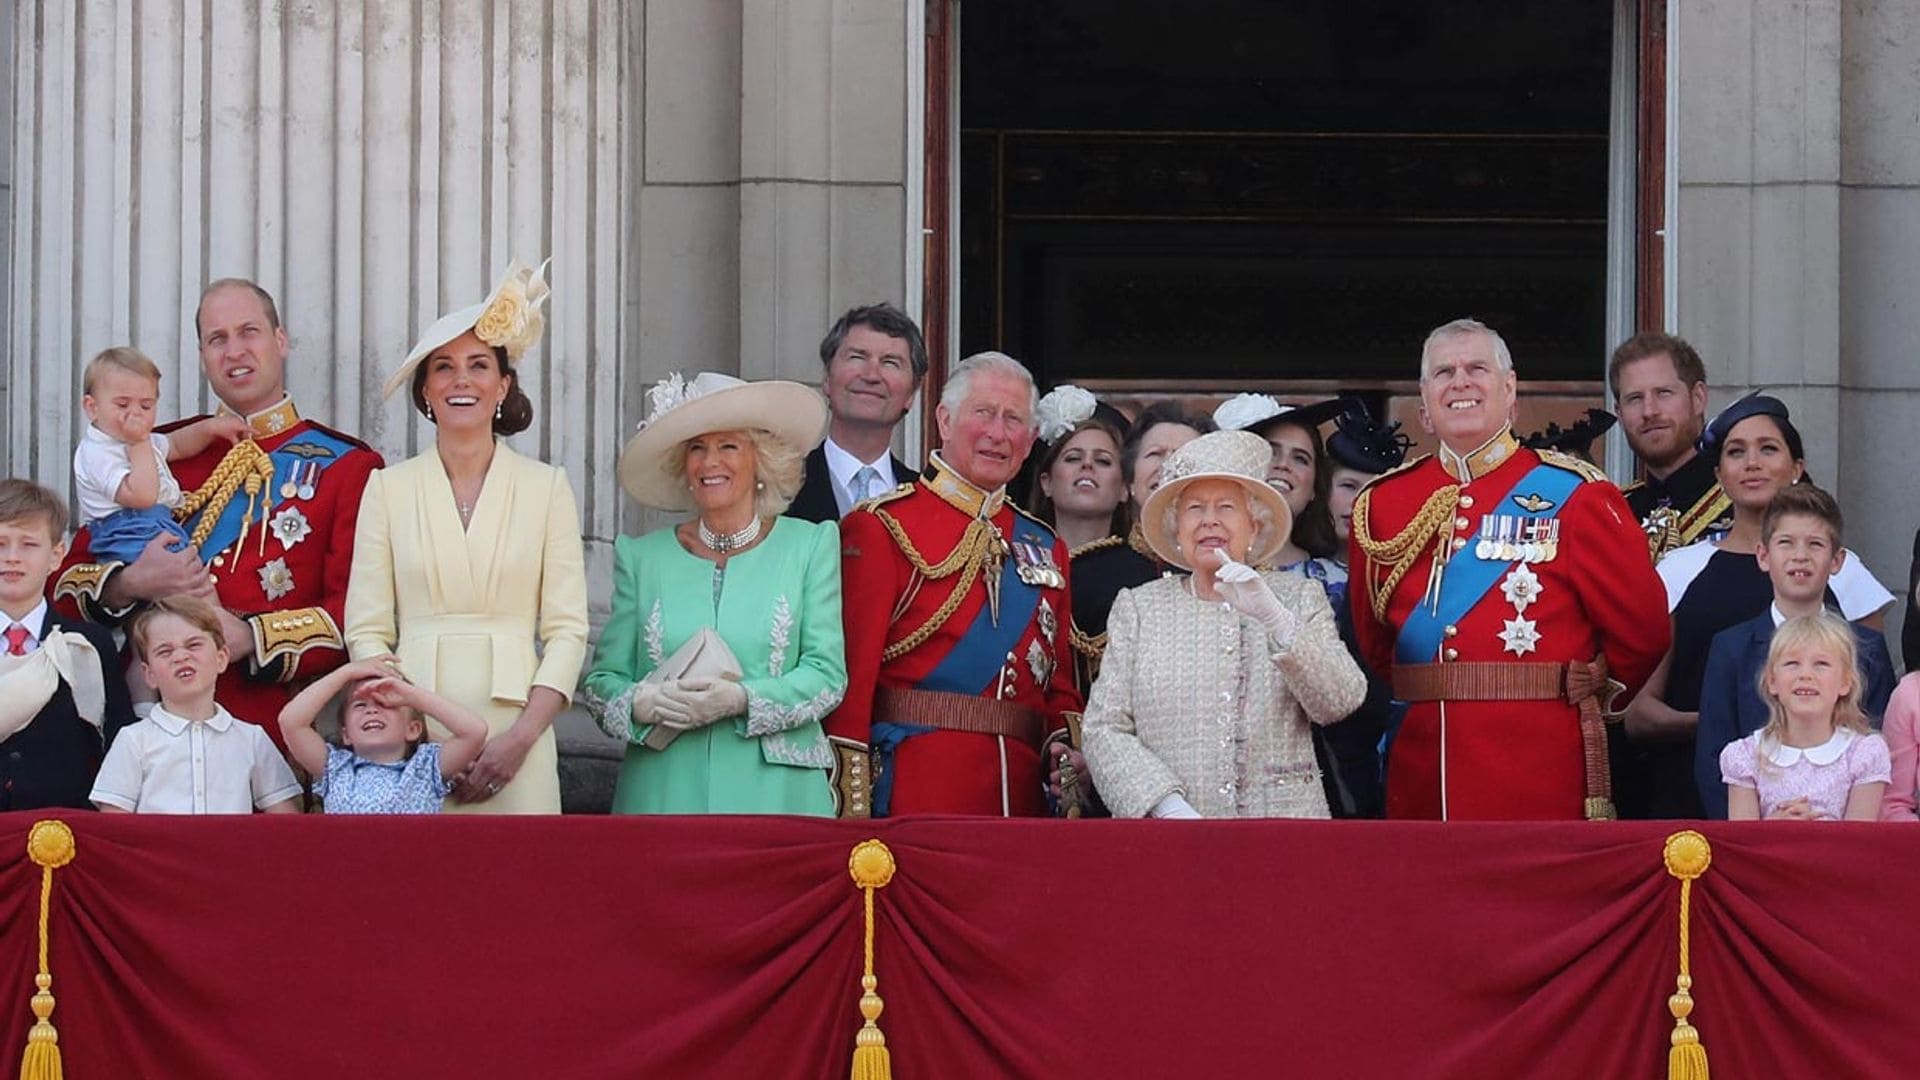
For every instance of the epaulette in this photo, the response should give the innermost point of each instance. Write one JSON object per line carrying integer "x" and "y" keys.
{"x": 1029, "y": 515}
{"x": 1586, "y": 470}
{"x": 1092, "y": 546}
{"x": 1410, "y": 463}
{"x": 900, "y": 492}
{"x": 336, "y": 433}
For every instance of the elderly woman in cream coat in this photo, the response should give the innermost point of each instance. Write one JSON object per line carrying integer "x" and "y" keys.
{"x": 1210, "y": 680}
{"x": 467, "y": 558}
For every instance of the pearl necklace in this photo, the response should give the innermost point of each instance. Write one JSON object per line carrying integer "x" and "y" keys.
{"x": 729, "y": 542}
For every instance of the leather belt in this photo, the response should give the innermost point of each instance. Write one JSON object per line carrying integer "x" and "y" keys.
{"x": 1578, "y": 682}
{"x": 959, "y": 712}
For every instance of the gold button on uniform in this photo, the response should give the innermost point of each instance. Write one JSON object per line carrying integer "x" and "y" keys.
{"x": 1453, "y": 654}
{"x": 1458, "y": 543}
{"x": 1459, "y": 523}
{"x": 1466, "y": 502}
{"x": 1451, "y": 630}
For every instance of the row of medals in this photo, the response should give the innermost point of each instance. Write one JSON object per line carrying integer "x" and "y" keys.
{"x": 1504, "y": 538}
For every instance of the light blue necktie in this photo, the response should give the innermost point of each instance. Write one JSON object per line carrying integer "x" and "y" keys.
{"x": 865, "y": 483}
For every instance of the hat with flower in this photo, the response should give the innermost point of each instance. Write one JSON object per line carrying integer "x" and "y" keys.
{"x": 509, "y": 318}
{"x": 679, "y": 409}
{"x": 1239, "y": 456}
{"x": 1252, "y": 412}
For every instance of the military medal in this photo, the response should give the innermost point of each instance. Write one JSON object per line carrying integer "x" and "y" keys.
{"x": 290, "y": 488}
{"x": 311, "y": 478}
{"x": 1521, "y": 588}
{"x": 291, "y": 526}
{"x": 275, "y": 579}
{"x": 1484, "y": 549}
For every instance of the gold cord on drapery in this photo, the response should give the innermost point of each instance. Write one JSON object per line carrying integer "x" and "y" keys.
{"x": 1687, "y": 856}
{"x": 872, "y": 867}
{"x": 50, "y": 845}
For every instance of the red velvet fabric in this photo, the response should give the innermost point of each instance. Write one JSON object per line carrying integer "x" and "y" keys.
{"x": 729, "y": 947}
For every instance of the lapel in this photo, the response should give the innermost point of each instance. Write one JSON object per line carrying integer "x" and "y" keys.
{"x": 463, "y": 559}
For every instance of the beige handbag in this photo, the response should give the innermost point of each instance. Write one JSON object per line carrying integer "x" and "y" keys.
{"x": 704, "y": 656}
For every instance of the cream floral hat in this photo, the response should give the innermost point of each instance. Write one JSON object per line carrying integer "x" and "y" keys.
{"x": 509, "y": 318}
{"x": 679, "y": 409}
{"x": 1239, "y": 456}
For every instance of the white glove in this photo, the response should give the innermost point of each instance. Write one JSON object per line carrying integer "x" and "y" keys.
{"x": 646, "y": 702}
{"x": 1174, "y": 807}
{"x": 1249, "y": 594}
{"x": 686, "y": 704}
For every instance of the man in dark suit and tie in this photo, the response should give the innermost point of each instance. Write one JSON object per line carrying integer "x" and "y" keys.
{"x": 874, "y": 359}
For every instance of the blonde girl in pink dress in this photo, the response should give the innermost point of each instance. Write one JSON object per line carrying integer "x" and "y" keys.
{"x": 1817, "y": 759}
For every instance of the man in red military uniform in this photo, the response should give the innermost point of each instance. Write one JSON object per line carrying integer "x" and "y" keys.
{"x": 1499, "y": 587}
{"x": 959, "y": 674}
{"x": 271, "y": 518}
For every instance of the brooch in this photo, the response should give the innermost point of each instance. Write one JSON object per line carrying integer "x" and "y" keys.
{"x": 275, "y": 579}
{"x": 291, "y": 526}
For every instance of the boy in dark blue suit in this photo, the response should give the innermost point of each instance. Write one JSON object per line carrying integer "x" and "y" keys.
{"x": 1800, "y": 548}
{"x": 62, "y": 693}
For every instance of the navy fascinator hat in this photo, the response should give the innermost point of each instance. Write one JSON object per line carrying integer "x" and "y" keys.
{"x": 1362, "y": 444}
{"x": 1758, "y": 403}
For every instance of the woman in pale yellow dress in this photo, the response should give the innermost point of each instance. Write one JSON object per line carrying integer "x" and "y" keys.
{"x": 467, "y": 560}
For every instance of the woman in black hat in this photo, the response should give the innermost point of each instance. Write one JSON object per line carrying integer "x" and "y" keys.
{"x": 1711, "y": 586}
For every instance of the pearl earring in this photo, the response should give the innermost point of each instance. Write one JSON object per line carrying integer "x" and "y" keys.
{"x": 497, "y": 407}
{"x": 429, "y": 413}
{"x": 759, "y": 485}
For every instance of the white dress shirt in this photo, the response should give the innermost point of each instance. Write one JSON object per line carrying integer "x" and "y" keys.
{"x": 841, "y": 466}
{"x": 167, "y": 764}
{"x": 35, "y": 621}
{"x": 100, "y": 463}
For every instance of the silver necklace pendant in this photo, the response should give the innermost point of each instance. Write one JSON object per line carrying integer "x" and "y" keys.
{"x": 728, "y": 542}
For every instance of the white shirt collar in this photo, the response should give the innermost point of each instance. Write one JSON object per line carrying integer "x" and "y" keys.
{"x": 174, "y": 725}
{"x": 1778, "y": 618}
{"x": 35, "y": 621}
{"x": 1825, "y": 754}
{"x": 841, "y": 465}
{"x": 95, "y": 435}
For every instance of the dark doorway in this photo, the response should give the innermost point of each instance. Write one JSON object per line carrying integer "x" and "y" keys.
{"x": 1252, "y": 192}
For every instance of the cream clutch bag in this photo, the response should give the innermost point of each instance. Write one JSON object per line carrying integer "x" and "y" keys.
{"x": 704, "y": 655}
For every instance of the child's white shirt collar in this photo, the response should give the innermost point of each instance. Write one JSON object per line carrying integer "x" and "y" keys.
{"x": 1825, "y": 754}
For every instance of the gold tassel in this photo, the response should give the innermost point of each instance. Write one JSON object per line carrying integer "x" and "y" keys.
{"x": 1687, "y": 856}
{"x": 50, "y": 844}
{"x": 872, "y": 867}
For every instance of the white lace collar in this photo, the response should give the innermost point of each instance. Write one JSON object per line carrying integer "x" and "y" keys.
{"x": 1825, "y": 754}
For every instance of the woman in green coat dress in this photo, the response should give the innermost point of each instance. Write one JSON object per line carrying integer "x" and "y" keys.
{"x": 768, "y": 586}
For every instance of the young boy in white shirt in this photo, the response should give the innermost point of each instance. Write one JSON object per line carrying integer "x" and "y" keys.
{"x": 190, "y": 756}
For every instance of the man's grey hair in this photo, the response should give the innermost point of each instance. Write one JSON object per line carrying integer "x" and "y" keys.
{"x": 1502, "y": 358}
{"x": 960, "y": 382}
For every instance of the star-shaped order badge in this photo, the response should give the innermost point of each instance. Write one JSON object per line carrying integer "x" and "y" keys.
{"x": 1522, "y": 587}
{"x": 291, "y": 526}
{"x": 1521, "y": 636}
{"x": 275, "y": 579}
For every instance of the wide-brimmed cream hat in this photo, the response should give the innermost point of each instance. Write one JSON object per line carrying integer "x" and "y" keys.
{"x": 1239, "y": 456}
{"x": 509, "y": 318}
{"x": 679, "y": 409}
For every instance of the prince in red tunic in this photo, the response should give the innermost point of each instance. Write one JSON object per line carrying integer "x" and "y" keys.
{"x": 1500, "y": 587}
{"x": 272, "y": 518}
{"x": 959, "y": 671}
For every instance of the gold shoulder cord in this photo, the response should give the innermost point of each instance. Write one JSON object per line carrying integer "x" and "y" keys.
{"x": 1389, "y": 560}
{"x": 974, "y": 551}
{"x": 246, "y": 465}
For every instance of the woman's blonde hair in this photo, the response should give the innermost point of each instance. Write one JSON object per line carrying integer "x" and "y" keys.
{"x": 1826, "y": 631}
{"x": 778, "y": 470}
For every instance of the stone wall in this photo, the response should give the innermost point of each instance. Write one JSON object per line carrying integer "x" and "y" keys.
{"x": 1797, "y": 235}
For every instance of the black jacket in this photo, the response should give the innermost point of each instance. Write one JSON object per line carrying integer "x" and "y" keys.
{"x": 815, "y": 501}
{"x": 52, "y": 761}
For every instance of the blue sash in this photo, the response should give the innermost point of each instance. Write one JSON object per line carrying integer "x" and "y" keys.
{"x": 312, "y": 447}
{"x": 973, "y": 663}
{"x": 1468, "y": 580}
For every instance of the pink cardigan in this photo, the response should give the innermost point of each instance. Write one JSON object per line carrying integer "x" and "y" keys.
{"x": 1901, "y": 729}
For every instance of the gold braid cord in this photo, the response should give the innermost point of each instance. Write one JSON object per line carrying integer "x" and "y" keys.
{"x": 968, "y": 557}
{"x": 1389, "y": 560}
{"x": 50, "y": 845}
{"x": 246, "y": 467}
{"x": 1687, "y": 856}
{"x": 872, "y": 867}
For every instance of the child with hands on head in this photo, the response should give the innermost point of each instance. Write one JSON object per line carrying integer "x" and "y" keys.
{"x": 190, "y": 756}
{"x": 1816, "y": 759}
{"x": 126, "y": 491}
{"x": 385, "y": 764}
